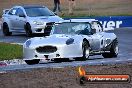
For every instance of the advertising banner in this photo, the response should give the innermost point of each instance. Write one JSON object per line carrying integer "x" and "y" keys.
{"x": 111, "y": 22}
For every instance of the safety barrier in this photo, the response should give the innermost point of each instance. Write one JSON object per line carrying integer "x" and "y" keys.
{"x": 111, "y": 22}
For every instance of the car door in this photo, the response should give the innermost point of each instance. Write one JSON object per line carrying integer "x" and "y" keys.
{"x": 98, "y": 39}
{"x": 20, "y": 20}
{"x": 12, "y": 18}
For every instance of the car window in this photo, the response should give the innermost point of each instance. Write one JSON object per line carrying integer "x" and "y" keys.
{"x": 38, "y": 11}
{"x": 12, "y": 11}
{"x": 72, "y": 28}
{"x": 19, "y": 12}
{"x": 82, "y": 29}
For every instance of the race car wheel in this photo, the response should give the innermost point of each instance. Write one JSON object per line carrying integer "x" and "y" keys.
{"x": 28, "y": 30}
{"x": 31, "y": 62}
{"x": 6, "y": 30}
{"x": 113, "y": 51}
{"x": 85, "y": 49}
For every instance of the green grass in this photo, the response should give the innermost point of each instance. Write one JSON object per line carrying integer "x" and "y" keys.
{"x": 10, "y": 51}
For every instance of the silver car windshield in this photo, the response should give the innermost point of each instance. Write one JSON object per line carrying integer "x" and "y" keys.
{"x": 38, "y": 11}
{"x": 72, "y": 28}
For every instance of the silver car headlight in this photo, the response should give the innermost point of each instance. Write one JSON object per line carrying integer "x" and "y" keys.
{"x": 39, "y": 22}
{"x": 28, "y": 43}
{"x": 70, "y": 41}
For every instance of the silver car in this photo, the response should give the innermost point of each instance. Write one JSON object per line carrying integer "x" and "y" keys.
{"x": 73, "y": 40}
{"x": 29, "y": 18}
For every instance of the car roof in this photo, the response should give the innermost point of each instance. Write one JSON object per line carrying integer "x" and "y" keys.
{"x": 30, "y": 6}
{"x": 33, "y": 6}
{"x": 77, "y": 20}
{"x": 83, "y": 20}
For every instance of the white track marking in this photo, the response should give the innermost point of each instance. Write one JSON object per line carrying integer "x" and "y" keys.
{"x": 129, "y": 59}
{"x": 17, "y": 43}
{"x": 118, "y": 60}
{"x": 57, "y": 67}
{"x": 91, "y": 62}
{"x": 103, "y": 61}
{"x": 2, "y": 72}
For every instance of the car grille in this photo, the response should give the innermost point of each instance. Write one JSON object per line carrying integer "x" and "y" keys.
{"x": 46, "y": 49}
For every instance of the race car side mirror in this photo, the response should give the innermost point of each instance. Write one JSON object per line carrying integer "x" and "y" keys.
{"x": 93, "y": 31}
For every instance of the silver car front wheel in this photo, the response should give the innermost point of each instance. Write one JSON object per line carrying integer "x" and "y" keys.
{"x": 6, "y": 29}
{"x": 28, "y": 30}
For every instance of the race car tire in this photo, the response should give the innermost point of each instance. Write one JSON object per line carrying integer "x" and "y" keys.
{"x": 113, "y": 51}
{"x": 85, "y": 50}
{"x": 6, "y": 30}
{"x": 31, "y": 62}
{"x": 28, "y": 30}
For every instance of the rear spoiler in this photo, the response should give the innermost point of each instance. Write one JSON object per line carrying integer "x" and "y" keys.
{"x": 5, "y": 11}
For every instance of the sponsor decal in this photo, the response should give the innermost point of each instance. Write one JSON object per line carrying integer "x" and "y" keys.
{"x": 110, "y": 25}
{"x": 111, "y": 22}
{"x": 101, "y": 78}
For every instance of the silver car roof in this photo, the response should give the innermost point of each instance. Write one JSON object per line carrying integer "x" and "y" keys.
{"x": 29, "y": 6}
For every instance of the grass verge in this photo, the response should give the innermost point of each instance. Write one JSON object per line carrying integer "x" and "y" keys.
{"x": 10, "y": 51}
{"x": 78, "y": 15}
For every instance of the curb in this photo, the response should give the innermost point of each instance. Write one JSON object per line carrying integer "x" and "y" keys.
{"x": 17, "y": 43}
{"x": 11, "y": 62}
{"x": 3, "y": 64}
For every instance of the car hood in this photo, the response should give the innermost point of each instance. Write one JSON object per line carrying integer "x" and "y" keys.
{"x": 47, "y": 18}
{"x": 54, "y": 40}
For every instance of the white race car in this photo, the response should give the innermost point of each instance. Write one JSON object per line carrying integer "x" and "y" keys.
{"x": 73, "y": 39}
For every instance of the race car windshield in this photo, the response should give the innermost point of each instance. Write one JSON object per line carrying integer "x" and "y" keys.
{"x": 72, "y": 28}
{"x": 38, "y": 11}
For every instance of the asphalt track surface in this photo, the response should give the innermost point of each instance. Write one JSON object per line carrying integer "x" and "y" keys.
{"x": 125, "y": 53}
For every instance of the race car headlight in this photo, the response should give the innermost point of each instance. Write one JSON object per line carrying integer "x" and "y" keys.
{"x": 70, "y": 41}
{"x": 28, "y": 43}
{"x": 38, "y": 22}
